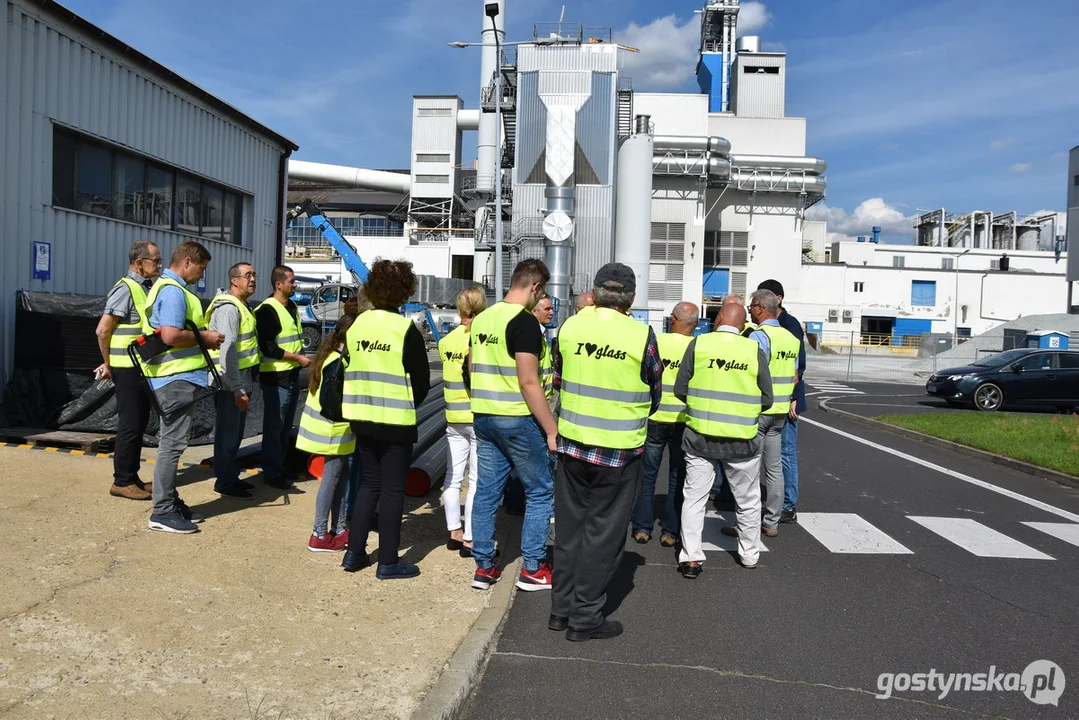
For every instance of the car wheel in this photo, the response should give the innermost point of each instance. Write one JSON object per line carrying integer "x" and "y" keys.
{"x": 311, "y": 339}
{"x": 988, "y": 397}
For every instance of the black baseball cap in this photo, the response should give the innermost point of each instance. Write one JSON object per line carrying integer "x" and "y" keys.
{"x": 617, "y": 277}
{"x": 774, "y": 285}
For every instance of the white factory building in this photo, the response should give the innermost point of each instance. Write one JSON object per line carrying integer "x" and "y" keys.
{"x": 104, "y": 146}
{"x": 731, "y": 183}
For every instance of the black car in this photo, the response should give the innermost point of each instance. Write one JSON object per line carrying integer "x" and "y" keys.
{"x": 1017, "y": 377}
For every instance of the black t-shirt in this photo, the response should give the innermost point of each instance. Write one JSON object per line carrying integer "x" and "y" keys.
{"x": 523, "y": 334}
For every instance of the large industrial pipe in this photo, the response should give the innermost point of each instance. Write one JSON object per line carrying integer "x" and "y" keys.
{"x": 778, "y": 182}
{"x": 487, "y": 144}
{"x": 690, "y": 165}
{"x": 779, "y": 162}
{"x": 468, "y": 119}
{"x": 717, "y": 145}
{"x": 349, "y": 176}
{"x": 633, "y": 211}
{"x": 427, "y": 469}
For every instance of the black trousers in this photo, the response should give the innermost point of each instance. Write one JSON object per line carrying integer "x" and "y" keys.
{"x": 385, "y": 469}
{"x": 132, "y": 416}
{"x": 592, "y": 506}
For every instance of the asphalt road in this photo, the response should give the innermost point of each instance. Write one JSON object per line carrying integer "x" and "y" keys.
{"x": 874, "y": 399}
{"x": 857, "y": 589}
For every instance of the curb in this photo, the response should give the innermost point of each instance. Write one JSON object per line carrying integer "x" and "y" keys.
{"x": 449, "y": 695}
{"x": 1011, "y": 463}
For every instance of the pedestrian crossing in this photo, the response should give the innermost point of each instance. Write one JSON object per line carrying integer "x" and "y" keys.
{"x": 851, "y": 534}
{"x": 829, "y": 387}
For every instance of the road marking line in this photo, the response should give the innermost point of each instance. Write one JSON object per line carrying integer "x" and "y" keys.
{"x": 713, "y": 538}
{"x": 951, "y": 473}
{"x": 869, "y": 404}
{"x": 978, "y": 539}
{"x": 1067, "y": 532}
{"x": 849, "y": 533}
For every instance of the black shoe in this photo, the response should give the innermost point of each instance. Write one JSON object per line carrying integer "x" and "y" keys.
{"x": 187, "y": 512}
{"x": 279, "y": 482}
{"x": 606, "y": 629}
{"x": 234, "y": 491}
{"x": 353, "y": 561}
{"x": 789, "y": 516}
{"x": 690, "y": 571}
{"x": 557, "y": 623}
{"x": 452, "y": 544}
{"x": 400, "y": 570}
{"x": 244, "y": 484}
{"x": 466, "y": 552}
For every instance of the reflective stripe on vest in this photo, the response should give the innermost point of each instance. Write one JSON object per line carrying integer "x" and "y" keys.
{"x": 723, "y": 400}
{"x": 672, "y": 347}
{"x": 783, "y": 364}
{"x": 174, "y": 360}
{"x": 247, "y": 344}
{"x": 289, "y": 338}
{"x": 318, "y": 435}
{"x": 546, "y": 368}
{"x": 495, "y": 388}
{"x": 377, "y": 389}
{"x": 604, "y": 401}
{"x": 453, "y": 350}
{"x": 124, "y": 333}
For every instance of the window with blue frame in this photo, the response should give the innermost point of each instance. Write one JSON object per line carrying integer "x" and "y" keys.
{"x": 923, "y": 293}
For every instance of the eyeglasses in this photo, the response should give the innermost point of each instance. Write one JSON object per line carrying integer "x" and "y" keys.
{"x": 248, "y": 275}
{"x": 155, "y": 261}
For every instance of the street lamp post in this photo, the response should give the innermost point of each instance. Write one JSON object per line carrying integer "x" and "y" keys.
{"x": 955, "y": 302}
{"x": 491, "y": 9}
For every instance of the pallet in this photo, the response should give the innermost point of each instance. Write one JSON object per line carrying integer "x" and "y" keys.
{"x": 35, "y": 437}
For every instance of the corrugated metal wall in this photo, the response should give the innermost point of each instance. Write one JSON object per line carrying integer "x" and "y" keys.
{"x": 758, "y": 94}
{"x": 51, "y": 74}
{"x": 674, "y": 113}
{"x": 436, "y": 134}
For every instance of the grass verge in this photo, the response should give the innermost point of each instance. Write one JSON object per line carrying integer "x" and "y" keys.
{"x": 1049, "y": 441}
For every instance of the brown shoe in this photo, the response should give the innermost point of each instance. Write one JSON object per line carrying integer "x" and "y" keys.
{"x": 769, "y": 532}
{"x": 731, "y": 530}
{"x": 641, "y": 537}
{"x": 131, "y": 492}
{"x": 667, "y": 541}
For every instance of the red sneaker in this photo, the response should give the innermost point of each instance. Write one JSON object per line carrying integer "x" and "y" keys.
{"x": 485, "y": 578}
{"x": 340, "y": 542}
{"x": 538, "y": 580}
{"x": 326, "y": 544}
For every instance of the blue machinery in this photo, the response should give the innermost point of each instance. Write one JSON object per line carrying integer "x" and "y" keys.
{"x": 353, "y": 263}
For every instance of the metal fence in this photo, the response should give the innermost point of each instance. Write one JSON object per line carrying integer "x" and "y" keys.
{"x": 866, "y": 357}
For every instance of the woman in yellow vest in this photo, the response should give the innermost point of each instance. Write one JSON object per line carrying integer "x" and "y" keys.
{"x": 387, "y": 376}
{"x": 333, "y": 440}
{"x": 460, "y": 437}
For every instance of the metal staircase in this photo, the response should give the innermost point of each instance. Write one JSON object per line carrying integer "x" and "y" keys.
{"x": 509, "y": 109}
{"x": 625, "y": 107}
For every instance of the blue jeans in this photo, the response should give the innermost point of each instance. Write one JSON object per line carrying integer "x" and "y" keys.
{"x": 279, "y": 411}
{"x": 790, "y": 464}
{"x": 502, "y": 444}
{"x": 660, "y": 436}
{"x": 228, "y": 432}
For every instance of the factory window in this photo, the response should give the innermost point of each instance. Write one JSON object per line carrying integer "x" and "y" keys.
{"x": 432, "y": 157}
{"x": 859, "y": 287}
{"x": 99, "y": 179}
{"x": 434, "y": 112}
{"x": 724, "y": 249}
{"x": 738, "y": 283}
{"x": 758, "y": 70}
{"x": 433, "y": 179}
{"x": 923, "y": 293}
{"x": 1077, "y": 181}
{"x": 947, "y": 263}
{"x": 963, "y": 332}
{"x": 667, "y": 261}
{"x": 899, "y": 261}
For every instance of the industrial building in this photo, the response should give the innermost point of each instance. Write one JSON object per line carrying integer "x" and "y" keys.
{"x": 103, "y": 147}
{"x": 703, "y": 194}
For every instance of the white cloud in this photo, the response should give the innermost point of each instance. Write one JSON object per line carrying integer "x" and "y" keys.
{"x": 668, "y": 47}
{"x": 1059, "y": 156}
{"x": 874, "y": 212}
{"x": 1001, "y": 143}
{"x": 1020, "y": 167}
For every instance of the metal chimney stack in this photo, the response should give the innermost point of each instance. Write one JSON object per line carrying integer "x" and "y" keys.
{"x": 633, "y": 206}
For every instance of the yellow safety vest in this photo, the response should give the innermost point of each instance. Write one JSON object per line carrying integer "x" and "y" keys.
{"x": 289, "y": 337}
{"x": 124, "y": 333}
{"x": 723, "y": 399}
{"x": 546, "y": 369}
{"x": 377, "y": 388}
{"x": 604, "y": 401}
{"x": 783, "y": 365}
{"x": 247, "y": 344}
{"x": 672, "y": 347}
{"x": 317, "y": 434}
{"x": 174, "y": 360}
{"x": 453, "y": 349}
{"x": 495, "y": 388}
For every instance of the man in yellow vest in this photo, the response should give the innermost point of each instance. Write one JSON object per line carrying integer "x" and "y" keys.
{"x": 611, "y": 382}
{"x": 280, "y": 339}
{"x": 176, "y": 377}
{"x": 515, "y": 430}
{"x": 725, "y": 383}
{"x": 119, "y": 325}
{"x": 782, "y": 349}
{"x": 236, "y": 362}
{"x": 665, "y": 429}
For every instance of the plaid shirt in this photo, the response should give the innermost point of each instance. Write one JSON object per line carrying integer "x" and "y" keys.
{"x": 651, "y": 375}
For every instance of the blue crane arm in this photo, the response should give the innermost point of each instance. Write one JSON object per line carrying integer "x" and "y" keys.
{"x": 353, "y": 262}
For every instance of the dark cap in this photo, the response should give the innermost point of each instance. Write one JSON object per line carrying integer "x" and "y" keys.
{"x": 774, "y": 285}
{"x": 617, "y": 277}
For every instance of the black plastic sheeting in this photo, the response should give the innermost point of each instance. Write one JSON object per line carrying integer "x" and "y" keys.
{"x": 52, "y": 385}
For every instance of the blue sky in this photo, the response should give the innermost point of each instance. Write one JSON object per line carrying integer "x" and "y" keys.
{"x": 964, "y": 104}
